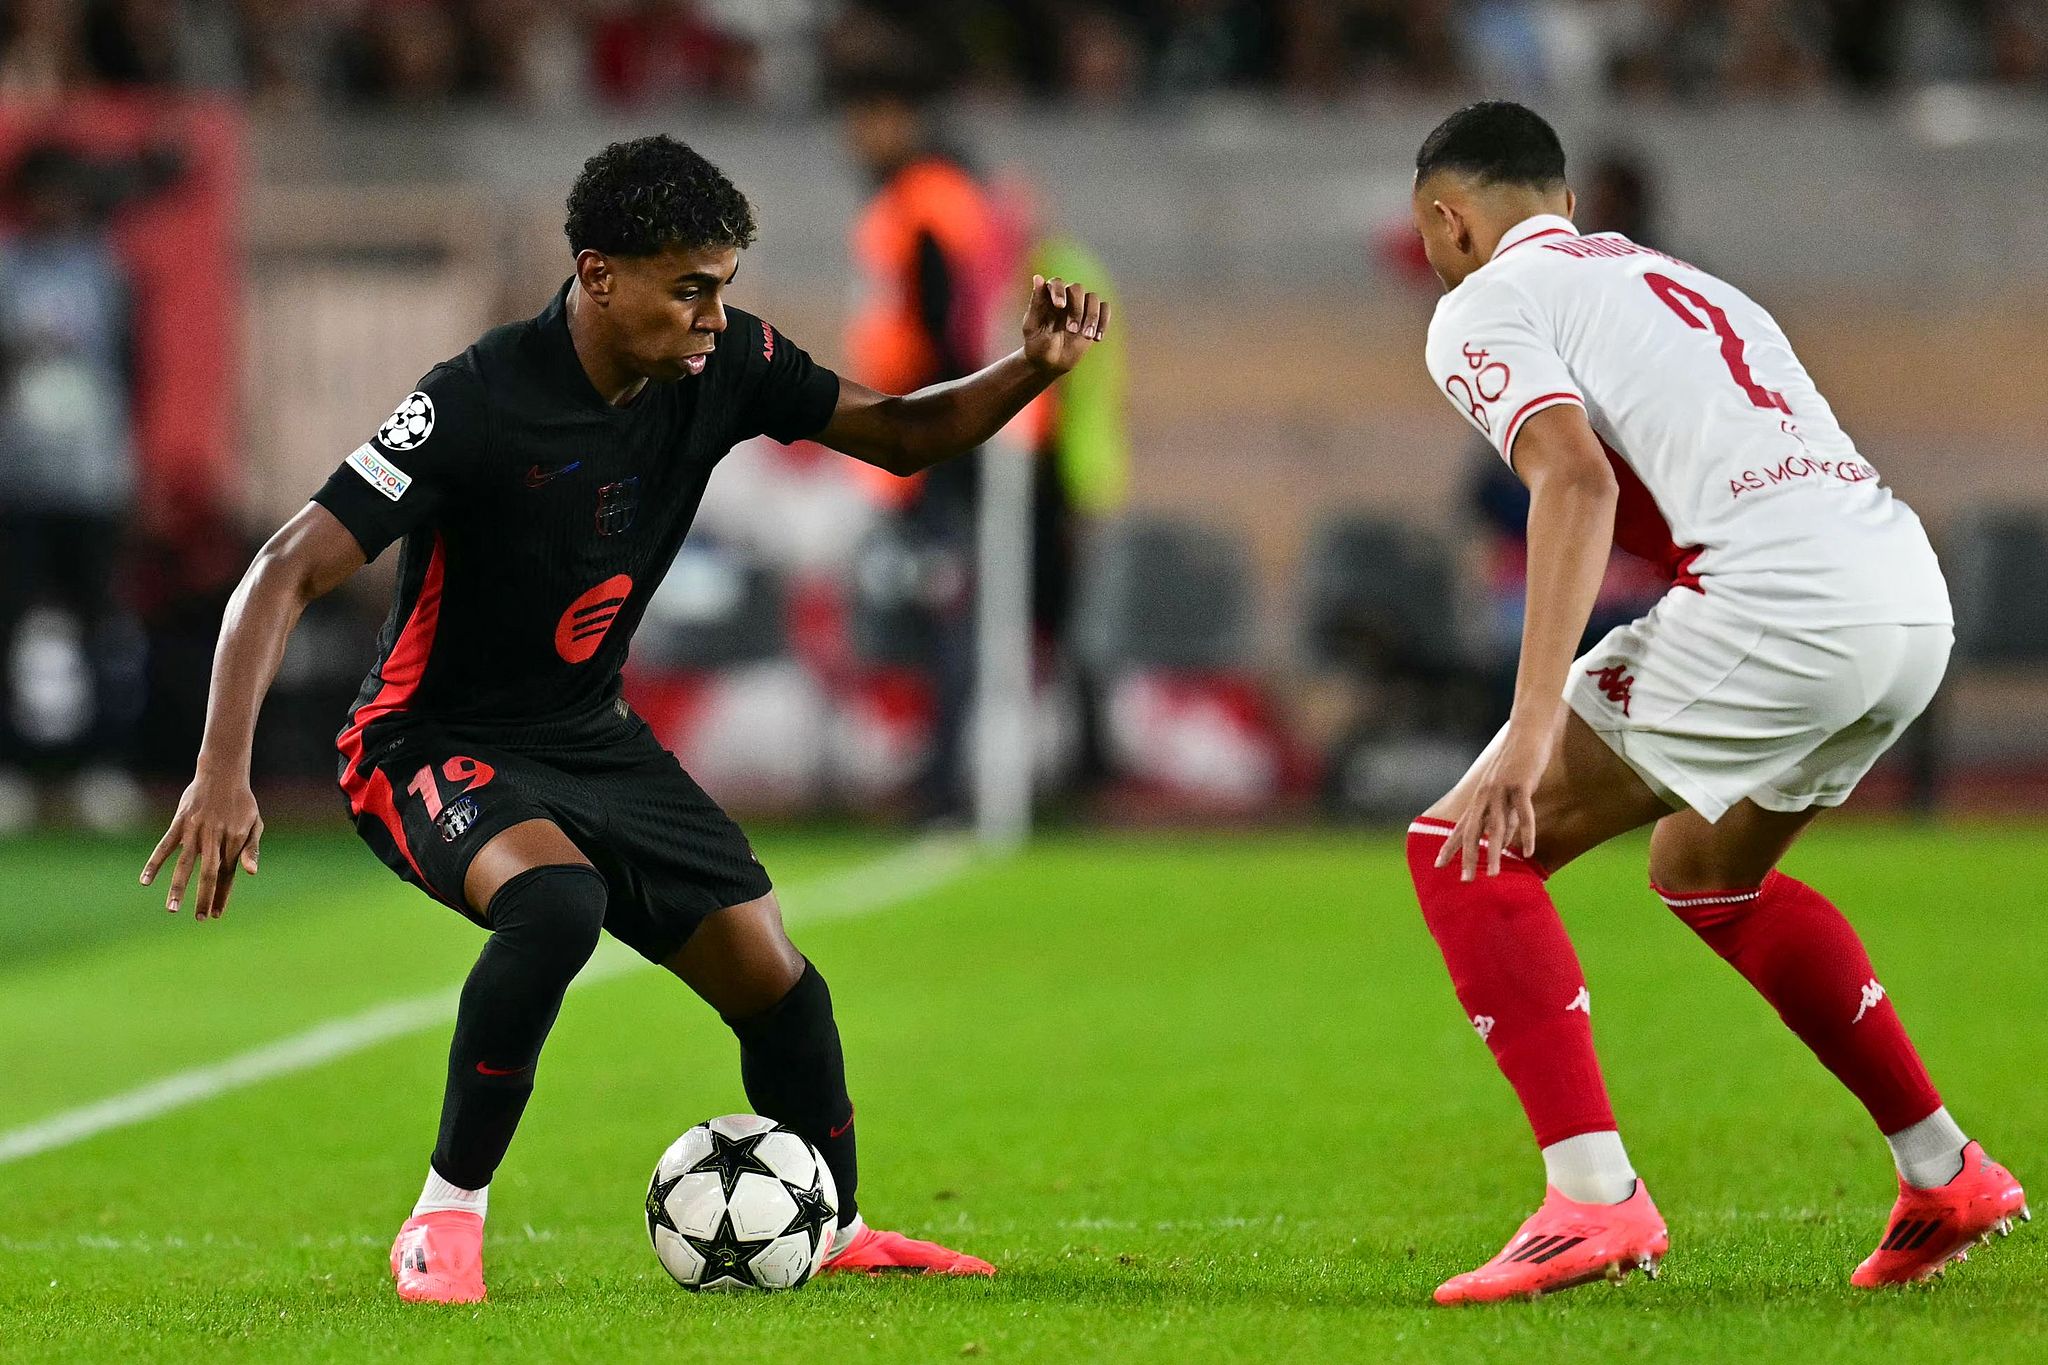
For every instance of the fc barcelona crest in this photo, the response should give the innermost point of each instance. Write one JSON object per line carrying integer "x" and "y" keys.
{"x": 456, "y": 818}
{"x": 617, "y": 505}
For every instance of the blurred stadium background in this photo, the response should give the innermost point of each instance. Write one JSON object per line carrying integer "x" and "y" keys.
{"x": 1274, "y": 581}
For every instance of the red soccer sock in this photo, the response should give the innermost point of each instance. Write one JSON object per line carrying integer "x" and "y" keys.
{"x": 1519, "y": 981}
{"x": 1790, "y": 943}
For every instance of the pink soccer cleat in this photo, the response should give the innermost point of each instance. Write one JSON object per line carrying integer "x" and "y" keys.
{"x": 870, "y": 1251}
{"x": 1931, "y": 1228}
{"x": 1565, "y": 1244}
{"x": 439, "y": 1258}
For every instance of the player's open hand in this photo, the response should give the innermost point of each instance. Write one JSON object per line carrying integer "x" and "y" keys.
{"x": 215, "y": 832}
{"x": 1062, "y": 322}
{"x": 1500, "y": 814}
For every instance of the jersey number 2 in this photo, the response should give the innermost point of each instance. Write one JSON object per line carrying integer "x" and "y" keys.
{"x": 1683, "y": 301}
{"x": 470, "y": 772}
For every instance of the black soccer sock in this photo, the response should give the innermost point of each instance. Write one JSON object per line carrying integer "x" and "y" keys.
{"x": 795, "y": 1074}
{"x": 544, "y": 926}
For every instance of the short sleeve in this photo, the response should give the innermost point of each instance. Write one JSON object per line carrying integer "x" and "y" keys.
{"x": 396, "y": 480}
{"x": 1491, "y": 356}
{"x": 782, "y": 392}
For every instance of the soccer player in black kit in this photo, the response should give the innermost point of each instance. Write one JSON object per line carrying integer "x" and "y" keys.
{"x": 540, "y": 484}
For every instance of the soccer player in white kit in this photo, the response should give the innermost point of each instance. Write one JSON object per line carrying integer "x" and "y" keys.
{"x": 1647, "y": 403}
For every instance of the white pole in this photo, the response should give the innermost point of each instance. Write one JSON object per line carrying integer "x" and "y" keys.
{"x": 1003, "y": 702}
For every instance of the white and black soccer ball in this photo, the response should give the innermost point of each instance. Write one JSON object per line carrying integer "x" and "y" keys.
{"x": 741, "y": 1202}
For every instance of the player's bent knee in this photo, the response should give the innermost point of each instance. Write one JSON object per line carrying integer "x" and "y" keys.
{"x": 528, "y": 844}
{"x": 556, "y": 911}
{"x": 740, "y": 959}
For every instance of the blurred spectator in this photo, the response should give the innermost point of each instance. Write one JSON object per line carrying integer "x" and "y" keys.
{"x": 183, "y": 44}
{"x": 929, "y": 250}
{"x": 1212, "y": 44}
{"x": 406, "y": 52}
{"x": 42, "y": 55}
{"x": 285, "y": 52}
{"x": 636, "y": 52}
{"x": 657, "y": 50}
{"x": 2016, "y": 36}
{"x": 66, "y": 483}
{"x": 1619, "y": 195}
{"x": 1102, "y": 59}
{"x": 1083, "y": 447}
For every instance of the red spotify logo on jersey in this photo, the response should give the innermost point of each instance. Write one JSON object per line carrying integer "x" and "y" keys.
{"x": 582, "y": 627}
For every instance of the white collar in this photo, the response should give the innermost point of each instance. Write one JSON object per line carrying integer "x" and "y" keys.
{"x": 1542, "y": 225}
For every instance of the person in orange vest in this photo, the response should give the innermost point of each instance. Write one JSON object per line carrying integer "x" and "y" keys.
{"x": 930, "y": 253}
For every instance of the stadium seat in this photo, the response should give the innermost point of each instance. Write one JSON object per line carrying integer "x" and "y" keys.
{"x": 1157, "y": 593}
{"x": 1996, "y": 560}
{"x": 1377, "y": 597}
{"x": 1378, "y": 606}
{"x": 1997, "y": 563}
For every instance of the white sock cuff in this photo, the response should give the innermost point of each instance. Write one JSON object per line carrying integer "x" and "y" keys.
{"x": 1929, "y": 1153}
{"x": 1592, "y": 1168}
{"x": 438, "y": 1196}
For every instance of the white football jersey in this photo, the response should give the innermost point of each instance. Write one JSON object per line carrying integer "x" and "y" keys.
{"x": 1735, "y": 476}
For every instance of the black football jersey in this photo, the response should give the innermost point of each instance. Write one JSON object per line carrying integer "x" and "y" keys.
{"x": 538, "y": 519}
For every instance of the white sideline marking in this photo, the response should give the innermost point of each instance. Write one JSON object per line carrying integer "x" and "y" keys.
{"x": 891, "y": 879}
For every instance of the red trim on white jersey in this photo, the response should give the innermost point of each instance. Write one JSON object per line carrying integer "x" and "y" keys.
{"x": 1529, "y": 409}
{"x": 1532, "y": 237}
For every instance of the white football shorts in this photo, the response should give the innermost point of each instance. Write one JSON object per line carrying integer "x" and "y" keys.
{"x": 1710, "y": 707}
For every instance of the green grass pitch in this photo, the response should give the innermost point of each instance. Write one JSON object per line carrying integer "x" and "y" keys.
{"x": 1202, "y": 1097}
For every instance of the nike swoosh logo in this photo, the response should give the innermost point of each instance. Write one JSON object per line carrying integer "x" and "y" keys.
{"x": 841, "y": 1130}
{"x": 536, "y": 476}
{"x": 483, "y": 1070}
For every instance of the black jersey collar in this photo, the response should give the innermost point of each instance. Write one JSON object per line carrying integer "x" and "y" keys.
{"x": 562, "y": 362}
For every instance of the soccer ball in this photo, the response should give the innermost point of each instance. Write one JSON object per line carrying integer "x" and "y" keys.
{"x": 741, "y": 1202}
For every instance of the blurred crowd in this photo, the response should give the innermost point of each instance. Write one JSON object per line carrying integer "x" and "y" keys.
{"x": 566, "y": 53}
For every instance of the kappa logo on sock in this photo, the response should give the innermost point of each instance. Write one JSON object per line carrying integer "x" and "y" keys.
{"x": 1483, "y": 1025}
{"x": 1873, "y": 995}
{"x": 1582, "y": 1002}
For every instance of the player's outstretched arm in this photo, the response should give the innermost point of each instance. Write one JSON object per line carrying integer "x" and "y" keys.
{"x": 1572, "y": 495}
{"x": 906, "y": 434}
{"x": 217, "y": 827}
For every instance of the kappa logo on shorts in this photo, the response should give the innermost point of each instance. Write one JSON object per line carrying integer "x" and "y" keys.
{"x": 456, "y": 817}
{"x": 1614, "y": 684}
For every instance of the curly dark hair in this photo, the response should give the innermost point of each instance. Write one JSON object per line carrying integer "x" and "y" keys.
{"x": 636, "y": 198}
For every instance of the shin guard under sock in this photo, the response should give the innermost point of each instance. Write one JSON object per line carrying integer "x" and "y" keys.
{"x": 544, "y": 925}
{"x": 795, "y": 1073}
{"x": 1520, "y": 983}
{"x": 1795, "y": 947}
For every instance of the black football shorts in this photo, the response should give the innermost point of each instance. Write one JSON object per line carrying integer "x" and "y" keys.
{"x": 426, "y": 796}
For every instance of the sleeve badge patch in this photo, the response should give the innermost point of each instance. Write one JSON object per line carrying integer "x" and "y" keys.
{"x": 382, "y": 475}
{"x": 410, "y": 426}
